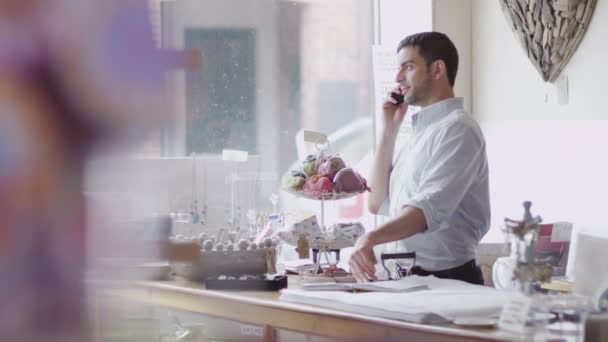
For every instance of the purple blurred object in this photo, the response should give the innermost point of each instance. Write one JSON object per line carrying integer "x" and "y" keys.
{"x": 67, "y": 65}
{"x": 127, "y": 52}
{"x": 19, "y": 46}
{"x": 13, "y": 147}
{"x": 110, "y": 67}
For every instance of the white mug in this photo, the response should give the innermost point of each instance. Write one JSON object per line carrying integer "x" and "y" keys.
{"x": 502, "y": 273}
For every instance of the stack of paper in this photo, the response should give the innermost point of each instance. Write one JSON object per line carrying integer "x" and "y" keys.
{"x": 443, "y": 301}
{"x": 379, "y": 286}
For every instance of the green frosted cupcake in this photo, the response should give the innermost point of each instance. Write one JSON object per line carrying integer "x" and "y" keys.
{"x": 310, "y": 168}
{"x": 294, "y": 183}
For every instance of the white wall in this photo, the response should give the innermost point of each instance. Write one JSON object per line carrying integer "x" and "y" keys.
{"x": 541, "y": 151}
{"x": 507, "y": 86}
{"x": 454, "y": 19}
{"x": 400, "y": 18}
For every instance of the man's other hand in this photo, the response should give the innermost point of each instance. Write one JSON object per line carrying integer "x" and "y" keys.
{"x": 362, "y": 260}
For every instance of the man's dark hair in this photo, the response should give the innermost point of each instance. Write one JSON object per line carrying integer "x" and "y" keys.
{"x": 434, "y": 46}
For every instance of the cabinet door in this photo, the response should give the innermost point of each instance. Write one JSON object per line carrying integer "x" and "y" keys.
{"x": 292, "y": 336}
{"x": 206, "y": 328}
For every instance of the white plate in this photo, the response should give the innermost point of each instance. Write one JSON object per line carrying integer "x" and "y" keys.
{"x": 476, "y": 322}
{"x": 323, "y": 195}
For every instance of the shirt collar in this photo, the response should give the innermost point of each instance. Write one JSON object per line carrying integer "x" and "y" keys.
{"x": 434, "y": 112}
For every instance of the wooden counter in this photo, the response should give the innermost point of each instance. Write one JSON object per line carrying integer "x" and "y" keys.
{"x": 266, "y": 310}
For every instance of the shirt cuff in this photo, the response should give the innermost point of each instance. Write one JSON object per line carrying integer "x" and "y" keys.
{"x": 432, "y": 222}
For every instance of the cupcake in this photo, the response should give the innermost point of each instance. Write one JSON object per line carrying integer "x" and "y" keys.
{"x": 331, "y": 166}
{"x": 318, "y": 185}
{"x": 309, "y": 165}
{"x": 294, "y": 183}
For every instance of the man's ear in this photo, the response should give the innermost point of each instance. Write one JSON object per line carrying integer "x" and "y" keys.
{"x": 439, "y": 69}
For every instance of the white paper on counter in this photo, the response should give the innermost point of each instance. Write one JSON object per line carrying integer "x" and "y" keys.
{"x": 444, "y": 301}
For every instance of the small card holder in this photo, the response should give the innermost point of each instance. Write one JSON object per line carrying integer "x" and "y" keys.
{"x": 315, "y": 254}
{"x": 401, "y": 270}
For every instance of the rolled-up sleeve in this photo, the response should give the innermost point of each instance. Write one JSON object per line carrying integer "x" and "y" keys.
{"x": 456, "y": 158}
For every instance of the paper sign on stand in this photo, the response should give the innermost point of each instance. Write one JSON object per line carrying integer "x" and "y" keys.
{"x": 314, "y": 137}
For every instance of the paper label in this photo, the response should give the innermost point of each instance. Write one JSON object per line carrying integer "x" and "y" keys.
{"x": 562, "y": 90}
{"x": 235, "y": 155}
{"x": 251, "y": 330}
{"x": 562, "y": 232}
{"x": 515, "y": 314}
{"x": 314, "y": 137}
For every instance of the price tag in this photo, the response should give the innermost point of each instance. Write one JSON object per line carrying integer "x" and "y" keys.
{"x": 515, "y": 314}
{"x": 314, "y": 137}
{"x": 235, "y": 155}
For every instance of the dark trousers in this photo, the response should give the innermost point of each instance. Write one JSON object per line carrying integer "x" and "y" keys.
{"x": 469, "y": 272}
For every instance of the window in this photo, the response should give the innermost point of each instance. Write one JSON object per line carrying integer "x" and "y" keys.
{"x": 270, "y": 68}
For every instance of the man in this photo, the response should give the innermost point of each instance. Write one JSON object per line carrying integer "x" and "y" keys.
{"x": 435, "y": 187}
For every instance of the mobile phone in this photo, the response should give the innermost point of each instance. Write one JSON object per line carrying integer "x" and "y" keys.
{"x": 397, "y": 97}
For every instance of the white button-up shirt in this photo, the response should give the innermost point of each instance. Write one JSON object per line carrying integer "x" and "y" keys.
{"x": 440, "y": 167}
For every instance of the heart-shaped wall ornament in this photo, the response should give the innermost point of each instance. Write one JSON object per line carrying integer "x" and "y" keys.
{"x": 549, "y": 30}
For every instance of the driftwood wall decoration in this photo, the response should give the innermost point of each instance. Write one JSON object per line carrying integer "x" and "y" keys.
{"x": 549, "y": 30}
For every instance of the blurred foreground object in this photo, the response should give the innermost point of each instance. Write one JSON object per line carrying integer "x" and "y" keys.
{"x": 73, "y": 74}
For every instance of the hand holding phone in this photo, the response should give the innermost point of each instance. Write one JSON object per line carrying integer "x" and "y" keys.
{"x": 397, "y": 97}
{"x": 394, "y": 109}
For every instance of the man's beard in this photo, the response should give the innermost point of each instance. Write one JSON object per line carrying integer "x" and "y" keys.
{"x": 420, "y": 93}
